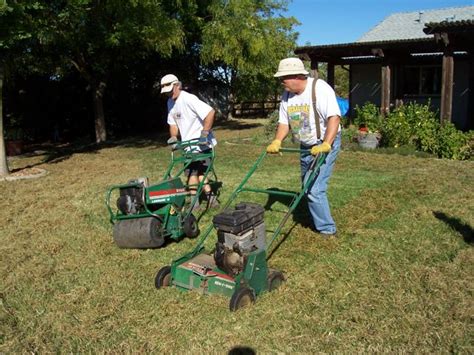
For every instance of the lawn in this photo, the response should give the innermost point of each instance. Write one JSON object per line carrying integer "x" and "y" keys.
{"x": 399, "y": 278}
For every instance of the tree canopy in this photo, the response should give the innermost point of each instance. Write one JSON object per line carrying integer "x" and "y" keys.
{"x": 246, "y": 39}
{"x": 237, "y": 43}
{"x": 16, "y": 42}
{"x": 96, "y": 37}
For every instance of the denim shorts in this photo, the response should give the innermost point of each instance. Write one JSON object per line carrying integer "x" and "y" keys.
{"x": 198, "y": 168}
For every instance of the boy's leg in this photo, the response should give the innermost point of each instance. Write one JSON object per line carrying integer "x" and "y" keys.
{"x": 210, "y": 196}
{"x": 193, "y": 181}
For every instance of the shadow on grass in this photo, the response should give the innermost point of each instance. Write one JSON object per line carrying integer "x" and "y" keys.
{"x": 462, "y": 228}
{"x": 300, "y": 214}
{"x": 59, "y": 152}
{"x": 241, "y": 350}
{"x": 280, "y": 242}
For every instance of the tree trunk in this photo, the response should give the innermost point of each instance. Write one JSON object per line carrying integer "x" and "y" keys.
{"x": 229, "y": 79}
{"x": 100, "y": 130}
{"x": 230, "y": 105}
{"x": 3, "y": 156}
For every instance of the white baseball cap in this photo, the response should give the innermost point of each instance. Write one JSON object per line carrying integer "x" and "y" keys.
{"x": 167, "y": 82}
{"x": 290, "y": 66}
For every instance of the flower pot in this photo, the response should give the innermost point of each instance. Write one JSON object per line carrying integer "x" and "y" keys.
{"x": 368, "y": 140}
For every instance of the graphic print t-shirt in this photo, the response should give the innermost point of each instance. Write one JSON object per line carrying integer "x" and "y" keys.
{"x": 297, "y": 112}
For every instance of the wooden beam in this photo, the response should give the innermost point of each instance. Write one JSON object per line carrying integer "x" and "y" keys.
{"x": 331, "y": 74}
{"x": 442, "y": 37}
{"x": 447, "y": 85}
{"x": 378, "y": 52}
{"x": 385, "y": 99}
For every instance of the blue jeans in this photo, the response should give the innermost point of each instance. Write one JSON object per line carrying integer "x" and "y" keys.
{"x": 317, "y": 198}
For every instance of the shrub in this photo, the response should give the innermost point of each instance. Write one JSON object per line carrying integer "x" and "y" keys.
{"x": 425, "y": 126}
{"x": 368, "y": 116}
{"x": 454, "y": 144}
{"x": 396, "y": 129}
{"x": 415, "y": 124}
{"x": 426, "y": 134}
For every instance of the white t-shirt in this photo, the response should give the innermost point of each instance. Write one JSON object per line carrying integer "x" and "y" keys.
{"x": 297, "y": 111}
{"x": 188, "y": 113}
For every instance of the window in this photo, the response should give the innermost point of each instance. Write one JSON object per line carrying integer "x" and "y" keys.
{"x": 422, "y": 80}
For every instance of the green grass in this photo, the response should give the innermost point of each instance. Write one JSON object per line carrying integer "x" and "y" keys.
{"x": 398, "y": 279}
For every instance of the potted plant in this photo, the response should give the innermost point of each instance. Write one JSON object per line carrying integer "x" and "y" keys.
{"x": 369, "y": 123}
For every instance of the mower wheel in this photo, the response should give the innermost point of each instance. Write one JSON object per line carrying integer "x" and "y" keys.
{"x": 139, "y": 233}
{"x": 190, "y": 226}
{"x": 274, "y": 279}
{"x": 163, "y": 277}
{"x": 241, "y": 298}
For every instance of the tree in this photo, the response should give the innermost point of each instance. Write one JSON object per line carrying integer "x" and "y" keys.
{"x": 3, "y": 156}
{"x": 243, "y": 43}
{"x": 97, "y": 36}
{"x": 15, "y": 40}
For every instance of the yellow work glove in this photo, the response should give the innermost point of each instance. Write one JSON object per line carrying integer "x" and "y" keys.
{"x": 324, "y": 147}
{"x": 274, "y": 147}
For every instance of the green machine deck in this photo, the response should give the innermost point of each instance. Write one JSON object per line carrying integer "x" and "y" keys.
{"x": 146, "y": 214}
{"x": 238, "y": 270}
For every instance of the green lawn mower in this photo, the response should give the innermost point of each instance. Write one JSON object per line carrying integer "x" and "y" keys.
{"x": 238, "y": 266}
{"x": 145, "y": 215}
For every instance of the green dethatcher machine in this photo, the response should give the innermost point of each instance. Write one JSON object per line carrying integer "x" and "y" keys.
{"x": 146, "y": 215}
{"x": 238, "y": 266}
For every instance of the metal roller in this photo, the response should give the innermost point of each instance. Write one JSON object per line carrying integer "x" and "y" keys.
{"x": 138, "y": 233}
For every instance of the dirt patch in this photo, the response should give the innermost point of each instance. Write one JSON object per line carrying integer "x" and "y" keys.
{"x": 25, "y": 173}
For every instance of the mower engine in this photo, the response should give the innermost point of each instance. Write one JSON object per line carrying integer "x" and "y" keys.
{"x": 239, "y": 232}
{"x": 132, "y": 198}
{"x": 148, "y": 214}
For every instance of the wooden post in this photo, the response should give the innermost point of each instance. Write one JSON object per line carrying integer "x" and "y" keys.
{"x": 314, "y": 69}
{"x": 385, "y": 94}
{"x": 351, "y": 87}
{"x": 447, "y": 85}
{"x": 331, "y": 74}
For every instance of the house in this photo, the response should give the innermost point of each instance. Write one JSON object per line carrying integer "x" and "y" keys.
{"x": 414, "y": 56}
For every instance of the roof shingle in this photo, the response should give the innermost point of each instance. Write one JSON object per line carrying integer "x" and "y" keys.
{"x": 410, "y": 25}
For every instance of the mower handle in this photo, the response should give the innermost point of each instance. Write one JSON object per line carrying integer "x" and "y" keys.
{"x": 317, "y": 161}
{"x": 291, "y": 150}
{"x": 191, "y": 143}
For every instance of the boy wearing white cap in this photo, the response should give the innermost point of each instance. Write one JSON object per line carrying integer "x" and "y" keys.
{"x": 318, "y": 132}
{"x": 191, "y": 118}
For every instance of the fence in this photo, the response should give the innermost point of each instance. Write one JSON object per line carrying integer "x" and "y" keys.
{"x": 254, "y": 108}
